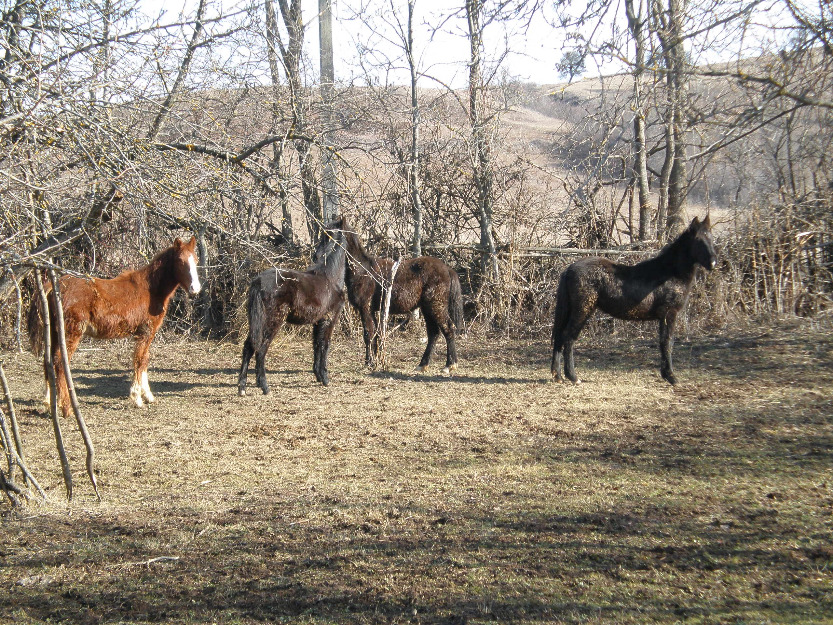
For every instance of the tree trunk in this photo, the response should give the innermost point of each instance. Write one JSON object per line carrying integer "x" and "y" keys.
{"x": 636, "y": 23}
{"x": 677, "y": 83}
{"x": 272, "y": 44}
{"x": 329, "y": 206}
{"x": 413, "y": 178}
{"x": 291, "y": 54}
{"x": 482, "y": 158}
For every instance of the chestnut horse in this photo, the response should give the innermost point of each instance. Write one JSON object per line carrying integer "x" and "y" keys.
{"x": 657, "y": 288}
{"x": 425, "y": 282}
{"x": 134, "y": 303}
{"x": 278, "y": 296}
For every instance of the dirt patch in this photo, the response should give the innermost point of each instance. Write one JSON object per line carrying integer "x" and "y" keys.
{"x": 492, "y": 496}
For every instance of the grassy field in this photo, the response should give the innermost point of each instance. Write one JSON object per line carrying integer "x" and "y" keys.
{"x": 393, "y": 497}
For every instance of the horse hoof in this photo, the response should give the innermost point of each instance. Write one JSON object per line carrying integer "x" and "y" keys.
{"x": 421, "y": 368}
{"x": 446, "y": 371}
{"x": 241, "y": 392}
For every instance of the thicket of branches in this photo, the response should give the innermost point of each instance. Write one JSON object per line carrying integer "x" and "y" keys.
{"x": 121, "y": 130}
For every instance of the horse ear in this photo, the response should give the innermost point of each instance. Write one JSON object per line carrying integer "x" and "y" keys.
{"x": 695, "y": 224}
{"x": 177, "y": 243}
{"x": 707, "y": 222}
{"x": 192, "y": 242}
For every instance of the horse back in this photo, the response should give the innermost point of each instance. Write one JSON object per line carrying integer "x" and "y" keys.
{"x": 307, "y": 296}
{"x": 623, "y": 291}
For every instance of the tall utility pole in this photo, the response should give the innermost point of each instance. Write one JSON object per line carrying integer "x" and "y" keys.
{"x": 329, "y": 207}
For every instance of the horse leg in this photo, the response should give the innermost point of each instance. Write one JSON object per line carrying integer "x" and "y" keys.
{"x": 557, "y": 357}
{"x": 371, "y": 344}
{"x": 317, "y": 330}
{"x": 248, "y": 352}
{"x": 321, "y": 334}
{"x": 574, "y": 327}
{"x": 433, "y": 330}
{"x": 447, "y": 328}
{"x": 260, "y": 364}
{"x": 666, "y": 346}
{"x": 262, "y": 346}
{"x": 140, "y": 389}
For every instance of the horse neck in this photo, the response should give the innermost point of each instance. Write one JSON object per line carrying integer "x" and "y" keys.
{"x": 675, "y": 260}
{"x": 360, "y": 265}
{"x": 160, "y": 280}
{"x": 334, "y": 267}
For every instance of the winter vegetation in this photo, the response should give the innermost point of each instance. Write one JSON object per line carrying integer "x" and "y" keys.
{"x": 123, "y": 130}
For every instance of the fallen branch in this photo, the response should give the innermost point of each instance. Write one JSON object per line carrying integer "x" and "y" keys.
{"x": 149, "y": 562}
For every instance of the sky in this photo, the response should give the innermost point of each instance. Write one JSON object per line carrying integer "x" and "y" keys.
{"x": 534, "y": 51}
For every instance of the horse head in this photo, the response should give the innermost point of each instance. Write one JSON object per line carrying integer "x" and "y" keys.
{"x": 185, "y": 265}
{"x": 702, "y": 247}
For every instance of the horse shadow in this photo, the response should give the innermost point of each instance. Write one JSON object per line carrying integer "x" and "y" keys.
{"x": 114, "y": 384}
{"x": 454, "y": 379}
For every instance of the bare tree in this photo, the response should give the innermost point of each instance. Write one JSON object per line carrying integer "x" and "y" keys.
{"x": 329, "y": 207}
{"x": 480, "y": 129}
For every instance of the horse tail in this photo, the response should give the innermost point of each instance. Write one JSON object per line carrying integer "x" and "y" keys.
{"x": 562, "y": 311}
{"x": 455, "y": 302}
{"x": 34, "y": 321}
{"x": 256, "y": 311}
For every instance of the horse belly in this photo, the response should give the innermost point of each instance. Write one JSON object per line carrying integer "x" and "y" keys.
{"x": 112, "y": 321}
{"x": 403, "y": 299}
{"x": 628, "y": 308}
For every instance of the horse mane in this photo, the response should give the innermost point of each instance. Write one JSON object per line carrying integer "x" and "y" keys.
{"x": 675, "y": 254}
{"x": 152, "y": 272}
{"x": 332, "y": 256}
{"x": 364, "y": 262}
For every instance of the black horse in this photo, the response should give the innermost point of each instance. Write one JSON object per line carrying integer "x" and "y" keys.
{"x": 313, "y": 296}
{"x": 425, "y": 282}
{"x": 653, "y": 289}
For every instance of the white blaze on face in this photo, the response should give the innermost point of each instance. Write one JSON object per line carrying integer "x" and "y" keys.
{"x": 195, "y": 279}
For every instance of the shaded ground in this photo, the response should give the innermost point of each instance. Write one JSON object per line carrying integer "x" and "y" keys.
{"x": 493, "y": 496}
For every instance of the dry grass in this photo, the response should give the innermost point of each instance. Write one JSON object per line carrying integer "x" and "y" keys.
{"x": 493, "y": 496}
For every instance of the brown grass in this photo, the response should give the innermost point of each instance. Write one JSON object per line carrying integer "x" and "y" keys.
{"x": 493, "y": 496}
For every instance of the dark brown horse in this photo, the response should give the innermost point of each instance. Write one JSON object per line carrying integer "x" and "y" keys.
{"x": 134, "y": 303}
{"x": 278, "y": 296}
{"x": 426, "y": 283}
{"x": 657, "y": 288}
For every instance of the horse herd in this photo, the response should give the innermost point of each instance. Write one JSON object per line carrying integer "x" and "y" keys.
{"x": 135, "y": 302}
